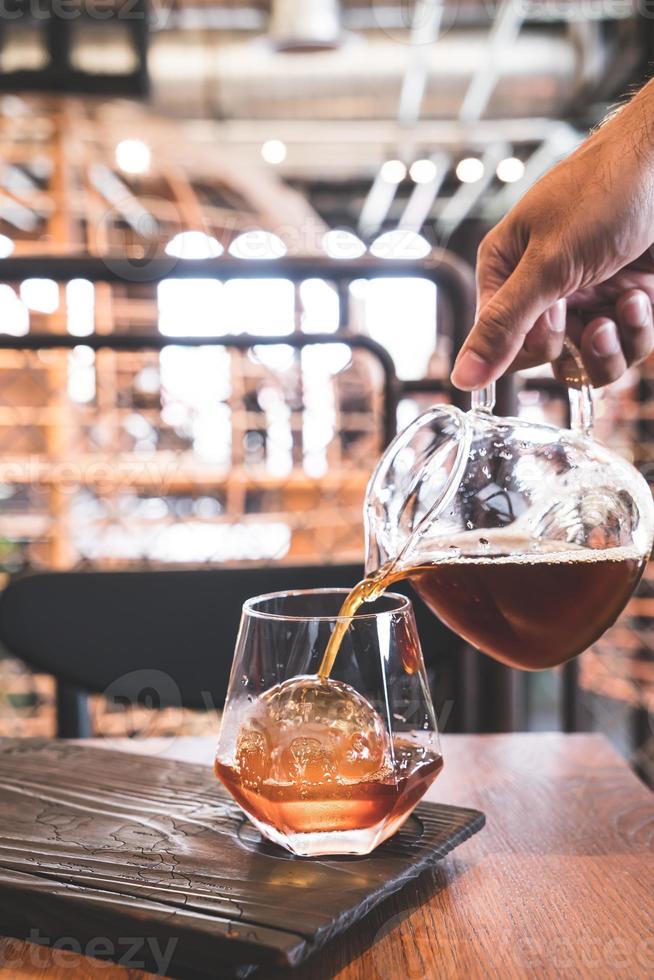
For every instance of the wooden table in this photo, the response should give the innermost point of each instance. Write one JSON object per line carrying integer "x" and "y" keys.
{"x": 560, "y": 883}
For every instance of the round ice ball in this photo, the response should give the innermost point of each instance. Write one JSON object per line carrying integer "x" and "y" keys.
{"x": 311, "y": 730}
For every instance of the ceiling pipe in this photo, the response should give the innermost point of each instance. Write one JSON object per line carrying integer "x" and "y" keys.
{"x": 424, "y": 32}
{"x": 502, "y": 36}
{"x": 360, "y": 81}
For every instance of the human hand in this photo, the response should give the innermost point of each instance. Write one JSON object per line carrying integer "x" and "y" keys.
{"x": 573, "y": 256}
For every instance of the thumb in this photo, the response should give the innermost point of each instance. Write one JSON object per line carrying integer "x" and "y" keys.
{"x": 503, "y": 322}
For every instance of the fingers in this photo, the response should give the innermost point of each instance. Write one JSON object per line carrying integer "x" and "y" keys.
{"x": 502, "y": 326}
{"x": 602, "y": 352}
{"x": 634, "y": 318}
{"x": 610, "y": 344}
{"x": 544, "y": 342}
{"x": 520, "y": 323}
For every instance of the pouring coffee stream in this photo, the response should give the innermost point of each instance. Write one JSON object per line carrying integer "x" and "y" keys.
{"x": 375, "y": 583}
{"x": 526, "y": 539}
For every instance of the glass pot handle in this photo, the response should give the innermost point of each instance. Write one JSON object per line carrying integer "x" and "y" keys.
{"x": 571, "y": 370}
{"x": 483, "y": 400}
{"x": 573, "y": 373}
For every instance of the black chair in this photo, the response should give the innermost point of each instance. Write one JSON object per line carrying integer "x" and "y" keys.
{"x": 161, "y": 638}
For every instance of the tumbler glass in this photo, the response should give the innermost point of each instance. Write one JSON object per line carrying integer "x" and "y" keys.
{"x": 327, "y": 765}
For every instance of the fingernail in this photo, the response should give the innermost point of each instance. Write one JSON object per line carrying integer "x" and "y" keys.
{"x": 605, "y": 341}
{"x": 557, "y": 316}
{"x": 470, "y": 371}
{"x": 636, "y": 311}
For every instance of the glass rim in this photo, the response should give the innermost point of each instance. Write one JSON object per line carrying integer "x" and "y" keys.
{"x": 404, "y": 606}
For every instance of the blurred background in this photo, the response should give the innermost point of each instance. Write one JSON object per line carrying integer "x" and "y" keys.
{"x": 320, "y": 171}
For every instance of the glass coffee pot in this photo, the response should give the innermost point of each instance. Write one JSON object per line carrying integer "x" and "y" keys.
{"x": 524, "y": 538}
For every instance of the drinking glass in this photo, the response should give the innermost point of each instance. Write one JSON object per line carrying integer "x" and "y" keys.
{"x": 327, "y": 765}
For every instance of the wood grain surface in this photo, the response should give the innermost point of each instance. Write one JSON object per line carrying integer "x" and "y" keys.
{"x": 156, "y": 847}
{"x": 560, "y": 883}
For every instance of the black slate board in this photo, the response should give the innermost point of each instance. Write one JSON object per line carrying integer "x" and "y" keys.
{"x": 97, "y": 843}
